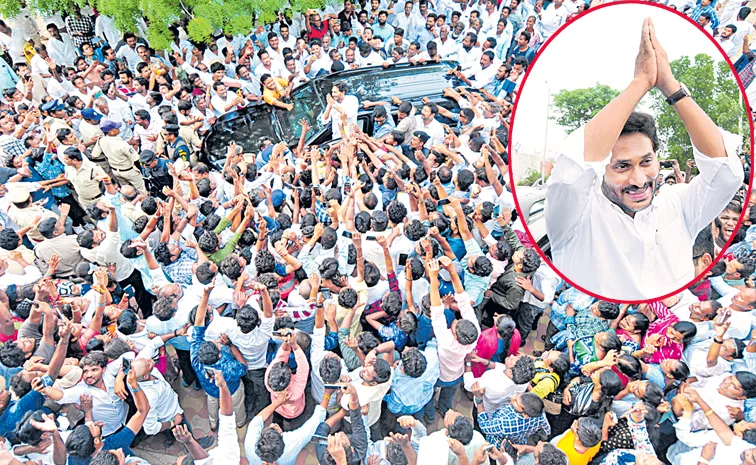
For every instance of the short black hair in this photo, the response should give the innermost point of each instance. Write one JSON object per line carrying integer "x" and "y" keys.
{"x": 347, "y": 297}
{"x": 279, "y": 376}
{"x": 80, "y": 442}
{"x": 25, "y": 432}
{"x": 466, "y": 331}
{"x": 11, "y": 355}
{"x": 588, "y": 432}
{"x": 550, "y": 455}
{"x": 608, "y": 310}
{"x": 208, "y": 353}
{"x": 642, "y": 123}
{"x": 414, "y": 362}
{"x": 523, "y": 370}
{"x": 330, "y": 369}
{"x": 270, "y": 446}
{"x": 462, "y": 430}
{"x": 532, "y": 405}
{"x": 9, "y": 239}
{"x": 747, "y": 381}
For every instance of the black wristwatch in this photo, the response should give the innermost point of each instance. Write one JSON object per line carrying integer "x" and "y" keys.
{"x": 679, "y": 95}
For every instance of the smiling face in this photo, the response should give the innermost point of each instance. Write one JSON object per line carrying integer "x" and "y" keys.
{"x": 731, "y": 388}
{"x": 92, "y": 374}
{"x": 729, "y": 220}
{"x": 630, "y": 176}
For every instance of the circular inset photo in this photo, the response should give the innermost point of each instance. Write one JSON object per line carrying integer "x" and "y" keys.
{"x": 639, "y": 139}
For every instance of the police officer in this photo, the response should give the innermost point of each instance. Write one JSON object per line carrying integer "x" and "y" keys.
{"x": 121, "y": 156}
{"x": 175, "y": 146}
{"x": 155, "y": 172}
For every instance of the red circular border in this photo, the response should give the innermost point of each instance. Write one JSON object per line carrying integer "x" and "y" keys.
{"x": 511, "y": 132}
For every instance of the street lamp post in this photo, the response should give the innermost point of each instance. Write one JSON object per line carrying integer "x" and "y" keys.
{"x": 546, "y": 132}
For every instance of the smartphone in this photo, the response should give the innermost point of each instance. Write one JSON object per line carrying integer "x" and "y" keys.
{"x": 347, "y": 234}
{"x": 371, "y": 238}
{"x": 317, "y": 190}
{"x": 325, "y": 291}
{"x": 723, "y": 316}
{"x": 665, "y": 164}
{"x": 403, "y": 259}
{"x": 443, "y": 202}
{"x": 126, "y": 364}
{"x": 210, "y": 372}
{"x": 333, "y": 386}
{"x": 347, "y": 186}
{"x": 280, "y": 333}
{"x": 488, "y": 447}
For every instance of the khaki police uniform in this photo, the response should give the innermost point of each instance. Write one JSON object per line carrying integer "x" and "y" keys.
{"x": 121, "y": 157}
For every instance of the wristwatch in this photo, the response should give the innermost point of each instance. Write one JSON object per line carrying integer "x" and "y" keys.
{"x": 679, "y": 95}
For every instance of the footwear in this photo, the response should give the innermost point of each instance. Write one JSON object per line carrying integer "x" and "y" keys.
{"x": 184, "y": 383}
{"x": 197, "y": 386}
{"x": 206, "y": 442}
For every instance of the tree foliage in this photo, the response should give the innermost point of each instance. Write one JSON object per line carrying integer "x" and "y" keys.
{"x": 714, "y": 89}
{"x": 204, "y": 16}
{"x": 577, "y": 107}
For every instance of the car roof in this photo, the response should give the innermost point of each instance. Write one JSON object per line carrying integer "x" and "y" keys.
{"x": 405, "y": 81}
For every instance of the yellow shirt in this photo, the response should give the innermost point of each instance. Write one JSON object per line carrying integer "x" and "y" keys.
{"x": 567, "y": 445}
{"x": 271, "y": 96}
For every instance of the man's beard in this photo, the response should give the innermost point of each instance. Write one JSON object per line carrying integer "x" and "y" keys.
{"x": 611, "y": 194}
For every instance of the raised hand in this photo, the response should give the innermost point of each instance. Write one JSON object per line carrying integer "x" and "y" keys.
{"x": 645, "y": 61}
{"x": 665, "y": 80}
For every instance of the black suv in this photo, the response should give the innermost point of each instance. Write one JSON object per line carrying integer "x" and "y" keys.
{"x": 251, "y": 124}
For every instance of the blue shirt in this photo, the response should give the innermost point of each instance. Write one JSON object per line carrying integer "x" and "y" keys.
{"x": 120, "y": 440}
{"x": 231, "y": 368}
{"x": 15, "y": 411}
{"x": 393, "y": 333}
{"x": 409, "y": 395}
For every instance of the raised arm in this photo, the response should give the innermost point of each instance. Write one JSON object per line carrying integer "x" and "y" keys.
{"x": 603, "y": 130}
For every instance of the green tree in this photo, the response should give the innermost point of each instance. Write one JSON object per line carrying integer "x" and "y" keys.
{"x": 713, "y": 88}
{"x": 203, "y": 16}
{"x": 577, "y": 107}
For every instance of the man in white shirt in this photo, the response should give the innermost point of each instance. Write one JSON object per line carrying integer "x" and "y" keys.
{"x": 726, "y": 39}
{"x": 496, "y": 386}
{"x": 60, "y": 47}
{"x": 601, "y": 215}
{"x": 426, "y": 122}
{"x": 250, "y": 336}
{"x": 552, "y": 17}
{"x": 407, "y": 20}
{"x": 744, "y": 28}
{"x": 339, "y": 103}
{"x": 468, "y": 55}
{"x": 446, "y": 46}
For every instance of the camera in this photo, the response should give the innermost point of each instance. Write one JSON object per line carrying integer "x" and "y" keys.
{"x": 666, "y": 164}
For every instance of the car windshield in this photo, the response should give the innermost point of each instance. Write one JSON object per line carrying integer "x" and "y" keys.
{"x": 242, "y": 130}
{"x": 307, "y": 106}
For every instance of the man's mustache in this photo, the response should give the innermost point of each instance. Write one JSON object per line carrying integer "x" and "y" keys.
{"x": 633, "y": 189}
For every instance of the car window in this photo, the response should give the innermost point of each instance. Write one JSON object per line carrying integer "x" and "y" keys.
{"x": 307, "y": 105}
{"x": 243, "y": 131}
{"x": 536, "y": 210}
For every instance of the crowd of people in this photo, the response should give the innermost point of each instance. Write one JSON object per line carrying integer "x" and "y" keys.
{"x": 333, "y": 298}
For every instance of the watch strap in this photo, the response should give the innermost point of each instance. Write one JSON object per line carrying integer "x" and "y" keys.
{"x": 677, "y": 96}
